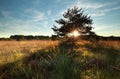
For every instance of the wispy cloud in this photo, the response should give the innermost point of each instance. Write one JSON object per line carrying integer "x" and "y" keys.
{"x": 35, "y": 15}
{"x": 6, "y": 14}
{"x": 107, "y": 29}
{"x": 30, "y": 26}
{"x": 104, "y": 11}
{"x": 57, "y": 0}
{"x": 49, "y": 12}
{"x": 1, "y": 24}
{"x": 111, "y": 9}
{"x": 92, "y": 5}
{"x": 96, "y": 8}
{"x": 39, "y": 16}
{"x": 100, "y": 27}
{"x": 89, "y": 5}
{"x": 97, "y": 14}
{"x": 19, "y": 27}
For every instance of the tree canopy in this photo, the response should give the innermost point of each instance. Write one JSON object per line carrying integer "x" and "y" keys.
{"x": 74, "y": 19}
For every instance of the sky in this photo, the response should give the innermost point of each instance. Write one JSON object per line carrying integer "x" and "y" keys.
{"x": 37, "y": 17}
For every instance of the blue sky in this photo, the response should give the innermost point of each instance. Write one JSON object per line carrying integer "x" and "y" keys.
{"x": 36, "y": 17}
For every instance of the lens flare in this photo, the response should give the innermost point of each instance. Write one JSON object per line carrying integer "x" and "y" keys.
{"x": 75, "y": 33}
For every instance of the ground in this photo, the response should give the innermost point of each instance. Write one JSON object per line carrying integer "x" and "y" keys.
{"x": 60, "y": 60}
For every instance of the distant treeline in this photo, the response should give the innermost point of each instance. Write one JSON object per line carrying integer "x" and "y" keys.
{"x": 5, "y": 39}
{"x": 108, "y": 38}
{"x": 96, "y": 37}
{"x": 55, "y": 37}
{"x": 29, "y": 37}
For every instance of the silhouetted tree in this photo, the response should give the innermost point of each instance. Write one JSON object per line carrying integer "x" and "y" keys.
{"x": 74, "y": 19}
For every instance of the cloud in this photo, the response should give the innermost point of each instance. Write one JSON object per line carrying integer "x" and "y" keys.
{"x": 100, "y": 27}
{"x": 97, "y": 14}
{"x": 35, "y": 15}
{"x": 31, "y": 26}
{"x": 87, "y": 4}
{"x": 1, "y": 24}
{"x": 49, "y": 12}
{"x": 18, "y": 27}
{"x": 57, "y": 0}
{"x": 111, "y": 9}
{"x": 107, "y": 29}
{"x": 34, "y": 22}
{"x": 92, "y": 5}
{"x": 6, "y": 14}
{"x": 104, "y": 11}
{"x": 39, "y": 16}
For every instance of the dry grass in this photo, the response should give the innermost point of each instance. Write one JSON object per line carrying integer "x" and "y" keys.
{"x": 12, "y": 50}
{"x": 114, "y": 44}
{"x": 81, "y": 60}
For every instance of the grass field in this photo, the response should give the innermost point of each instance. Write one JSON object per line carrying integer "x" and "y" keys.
{"x": 59, "y": 60}
{"x": 13, "y": 50}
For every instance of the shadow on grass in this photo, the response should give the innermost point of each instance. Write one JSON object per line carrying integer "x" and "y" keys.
{"x": 107, "y": 59}
{"x": 50, "y": 63}
{"x": 111, "y": 54}
{"x": 34, "y": 66}
{"x": 63, "y": 62}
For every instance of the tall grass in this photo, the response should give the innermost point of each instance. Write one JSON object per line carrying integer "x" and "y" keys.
{"x": 79, "y": 60}
{"x": 13, "y": 50}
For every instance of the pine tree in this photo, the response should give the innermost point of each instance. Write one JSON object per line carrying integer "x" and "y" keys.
{"x": 74, "y": 19}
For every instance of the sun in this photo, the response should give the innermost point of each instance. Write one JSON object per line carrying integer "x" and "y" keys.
{"x": 75, "y": 33}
